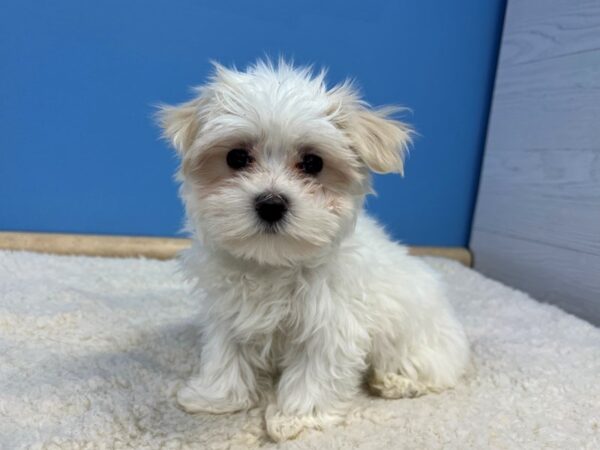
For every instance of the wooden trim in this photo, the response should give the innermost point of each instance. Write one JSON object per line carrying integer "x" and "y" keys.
{"x": 148, "y": 247}
{"x": 93, "y": 245}
{"x": 461, "y": 254}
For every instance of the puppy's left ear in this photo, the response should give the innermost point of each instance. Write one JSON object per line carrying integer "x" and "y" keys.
{"x": 180, "y": 124}
{"x": 380, "y": 141}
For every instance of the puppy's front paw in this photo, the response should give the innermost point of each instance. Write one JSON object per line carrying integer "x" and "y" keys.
{"x": 193, "y": 400}
{"x": 281, "y": 427}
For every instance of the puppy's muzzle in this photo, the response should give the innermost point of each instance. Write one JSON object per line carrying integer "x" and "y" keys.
{"x": 271, "y": 208}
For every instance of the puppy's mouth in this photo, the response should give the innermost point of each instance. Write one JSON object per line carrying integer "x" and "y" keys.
{"x": 271, "y": 228}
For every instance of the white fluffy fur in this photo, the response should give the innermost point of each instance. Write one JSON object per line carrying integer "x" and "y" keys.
{"x": 301, "y": 316}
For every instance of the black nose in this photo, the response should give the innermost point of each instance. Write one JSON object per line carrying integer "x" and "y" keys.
{"x": 271, "y": 207}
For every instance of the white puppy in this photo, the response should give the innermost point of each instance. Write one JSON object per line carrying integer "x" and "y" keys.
{"x": 306, "y": 296}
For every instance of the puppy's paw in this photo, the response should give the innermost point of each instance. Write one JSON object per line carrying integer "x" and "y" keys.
{"x": 194, "y": 400}
{"x": 393, "y": 385}
{"x": 281, "y": 427}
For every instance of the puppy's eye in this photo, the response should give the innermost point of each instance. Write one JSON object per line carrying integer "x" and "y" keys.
{"x": 238, "y": 158}
{"x": 311, "y": 164}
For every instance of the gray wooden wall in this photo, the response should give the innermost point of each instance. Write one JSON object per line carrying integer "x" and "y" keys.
{"x": 537, "y": 219}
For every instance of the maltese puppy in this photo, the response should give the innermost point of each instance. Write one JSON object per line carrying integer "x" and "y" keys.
{"x": 303, "y": 297}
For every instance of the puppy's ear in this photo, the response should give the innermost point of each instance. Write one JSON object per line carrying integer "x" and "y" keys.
{"x": 380, "y": 141}
{"x": 180, "y": 123}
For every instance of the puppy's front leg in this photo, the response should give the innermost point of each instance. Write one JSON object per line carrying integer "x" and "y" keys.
{"x": 315, "y": 388}
{"x": 225, "y": 383}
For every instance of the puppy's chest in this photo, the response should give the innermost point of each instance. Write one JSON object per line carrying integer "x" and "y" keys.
{"x": 275, "y": 309}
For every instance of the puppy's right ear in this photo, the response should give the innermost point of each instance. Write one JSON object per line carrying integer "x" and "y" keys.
{"x": 180, "y": 123}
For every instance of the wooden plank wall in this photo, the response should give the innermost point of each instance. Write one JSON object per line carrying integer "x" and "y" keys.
{"x": 537, "y": 220}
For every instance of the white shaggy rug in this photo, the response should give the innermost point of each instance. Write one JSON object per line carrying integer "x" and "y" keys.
{"x": 92, "y": 350}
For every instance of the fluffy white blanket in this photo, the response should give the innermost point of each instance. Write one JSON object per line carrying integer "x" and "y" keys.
{"x": 92, "y": 350}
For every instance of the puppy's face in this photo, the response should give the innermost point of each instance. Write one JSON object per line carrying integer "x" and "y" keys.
{"x": 275, "y": 166}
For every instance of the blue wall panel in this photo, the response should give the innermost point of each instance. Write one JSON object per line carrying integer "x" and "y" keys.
{"x": 79, "y": 151}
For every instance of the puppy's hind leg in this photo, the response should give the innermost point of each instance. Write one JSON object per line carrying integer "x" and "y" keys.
{"x": 387, "y": 376}
{"x": 394, "y": 385}
{"x": 423, "y": 357}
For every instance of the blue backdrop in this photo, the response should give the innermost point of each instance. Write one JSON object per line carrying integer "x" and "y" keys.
{"x": 79, "y": 151}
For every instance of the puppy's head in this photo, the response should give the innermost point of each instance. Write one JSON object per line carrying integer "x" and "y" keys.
{"x": 274, "y": 165}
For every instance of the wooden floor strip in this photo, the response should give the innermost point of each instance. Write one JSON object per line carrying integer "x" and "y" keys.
{"x": 144, "y": 246}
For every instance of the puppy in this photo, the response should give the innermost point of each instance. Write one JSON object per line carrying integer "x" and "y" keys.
{"x": 301, "y": 293}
